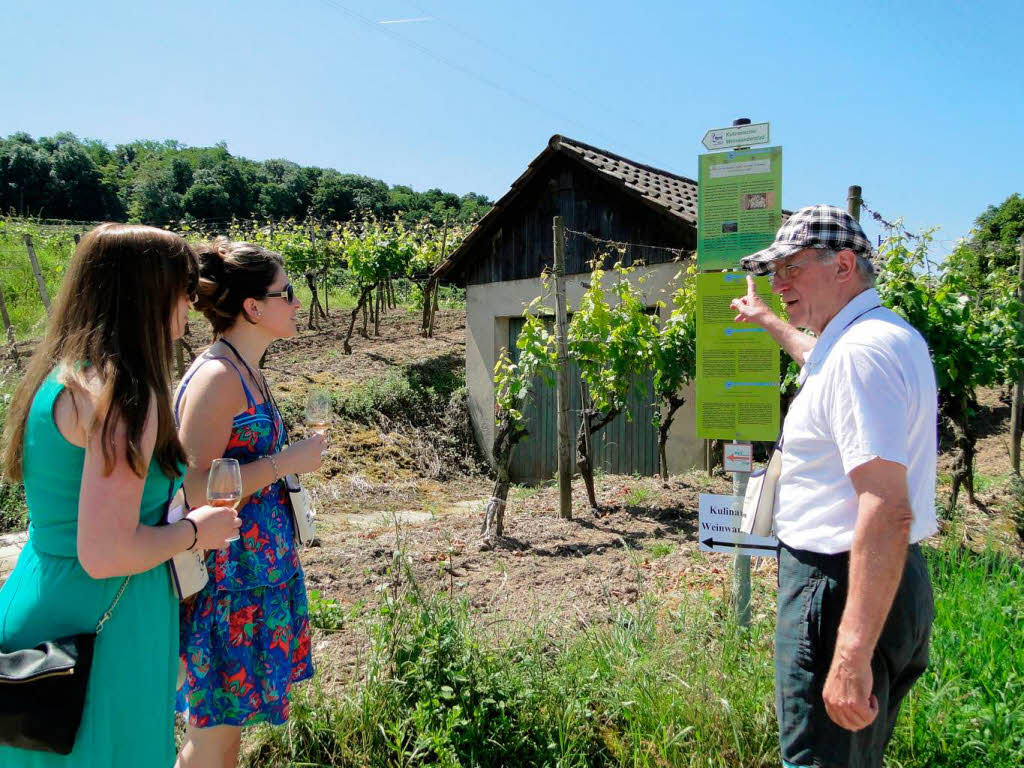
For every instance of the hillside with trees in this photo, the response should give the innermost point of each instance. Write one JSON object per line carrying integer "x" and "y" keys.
{"x": 157, "y": 182}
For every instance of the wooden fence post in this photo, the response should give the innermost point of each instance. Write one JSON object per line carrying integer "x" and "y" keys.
{"x": 428, "y": 287}
{"x": 43, "y": 293}
{"x": 434, "y": 284}
{"x": 1018, "y": 387}
{"x": 433, "y": 309}
{"x": 10, "y": 329}
{"x": 853, "y": 201}
{"x": 562, "y": 393}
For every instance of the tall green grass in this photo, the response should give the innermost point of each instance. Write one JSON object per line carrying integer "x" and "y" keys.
{"x": 967, "y": 710}
{"x": 53, "y": 247}
{"x": 653, "y": 685}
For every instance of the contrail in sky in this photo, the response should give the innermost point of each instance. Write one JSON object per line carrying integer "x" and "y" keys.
{"x": 406, "y": 21}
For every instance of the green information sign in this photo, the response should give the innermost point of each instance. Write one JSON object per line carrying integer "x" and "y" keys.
{"x": 737, "y": 363}
{"x": 739, "y": 205}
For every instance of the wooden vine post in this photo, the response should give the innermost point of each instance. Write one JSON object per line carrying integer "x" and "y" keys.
{"x": 9, "y": 328}
{"x": 1018, "y": 387}
{"x": 40, "y": 283}
{"x": 562, "y": 369}
{"x": 434, "y": 284}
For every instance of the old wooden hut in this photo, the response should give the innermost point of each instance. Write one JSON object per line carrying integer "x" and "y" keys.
{"x": 601, "y": 197}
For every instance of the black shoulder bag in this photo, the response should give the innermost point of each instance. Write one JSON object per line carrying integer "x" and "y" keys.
{"x": 42, "y": 690}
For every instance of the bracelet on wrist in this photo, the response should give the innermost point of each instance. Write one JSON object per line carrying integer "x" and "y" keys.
{"x": 195, "y": 533}
{"x": 277, "y": 469}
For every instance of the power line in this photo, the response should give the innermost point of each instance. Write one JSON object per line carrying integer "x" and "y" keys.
{"x": 491, "y": 48}
{"x": 366, "y": 21}
{"x": 461, "y": 68}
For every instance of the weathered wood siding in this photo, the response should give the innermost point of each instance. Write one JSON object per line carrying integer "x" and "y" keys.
{"x": 626, "y": 446}
{"x": 522, "y": 246}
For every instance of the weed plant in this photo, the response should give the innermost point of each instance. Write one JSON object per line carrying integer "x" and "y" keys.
{"x": 654, "y": 685}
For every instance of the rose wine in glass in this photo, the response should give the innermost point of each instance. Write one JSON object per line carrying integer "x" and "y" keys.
{"x": 318, "y": 411}
{"x": 224, "y": 485}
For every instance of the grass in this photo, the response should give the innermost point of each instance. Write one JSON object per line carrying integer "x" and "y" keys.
{"x": 660, "y": 549}
{"x": 53, "y": 249}
{"x": 968, "y": 708}
{"x": 662, "y": 683}
{"x": 638, "y": 496}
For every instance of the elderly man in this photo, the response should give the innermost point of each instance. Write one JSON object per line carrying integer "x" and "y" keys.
{"x": 856, "y": 494}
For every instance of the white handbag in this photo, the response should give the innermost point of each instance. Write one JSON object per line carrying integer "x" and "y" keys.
{"x": 303, "y": 514}
{"x": 188, "y": 568}
{"x": 761, "y": 497}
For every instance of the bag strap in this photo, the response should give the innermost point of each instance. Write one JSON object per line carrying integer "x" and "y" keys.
{"x": 113, "y": 604}
{"x": 106, "y": 616}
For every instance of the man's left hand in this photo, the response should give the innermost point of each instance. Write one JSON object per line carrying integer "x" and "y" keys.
{"x": 847, "y": 693}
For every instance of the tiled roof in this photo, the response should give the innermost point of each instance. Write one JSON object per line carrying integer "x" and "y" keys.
{"x": 671, "y": 195}
{"x": 676, "y": 195}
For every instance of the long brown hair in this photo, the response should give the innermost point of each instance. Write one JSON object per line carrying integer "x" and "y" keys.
{"x": 113, "y": 315}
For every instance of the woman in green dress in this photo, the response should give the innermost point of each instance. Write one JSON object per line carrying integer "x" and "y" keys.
{"x": 91, "y": 434}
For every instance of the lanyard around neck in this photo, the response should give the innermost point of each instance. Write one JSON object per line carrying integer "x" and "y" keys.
{"x": 264, "y": 388}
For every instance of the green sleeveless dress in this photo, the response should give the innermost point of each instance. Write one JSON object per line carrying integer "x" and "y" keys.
{"x": 129, "y": 706}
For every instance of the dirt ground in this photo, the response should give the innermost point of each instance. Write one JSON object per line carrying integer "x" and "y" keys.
{"x": 545, "y": 569}
{"x": 373, "y": 501}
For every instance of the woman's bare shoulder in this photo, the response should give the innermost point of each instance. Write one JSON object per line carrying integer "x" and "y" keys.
{"x": 216, "y": 383}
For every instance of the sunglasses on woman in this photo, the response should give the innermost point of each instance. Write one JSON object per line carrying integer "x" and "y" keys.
{"x": 285, "y": 293}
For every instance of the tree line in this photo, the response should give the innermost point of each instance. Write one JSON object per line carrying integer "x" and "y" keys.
{"x": 157, "y": 182}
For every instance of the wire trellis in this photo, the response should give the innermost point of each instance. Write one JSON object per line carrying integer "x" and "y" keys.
{"x": 679, "y": 253}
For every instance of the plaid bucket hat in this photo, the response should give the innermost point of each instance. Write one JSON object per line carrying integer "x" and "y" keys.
{"x": 814, "y": 226}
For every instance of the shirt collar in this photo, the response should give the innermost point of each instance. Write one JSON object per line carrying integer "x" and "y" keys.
{"x": 863, "y": 302}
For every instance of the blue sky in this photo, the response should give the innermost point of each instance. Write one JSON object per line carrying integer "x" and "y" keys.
{"x": 921, "y": 103}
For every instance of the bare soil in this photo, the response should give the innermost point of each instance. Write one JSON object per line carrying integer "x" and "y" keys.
{"x": 376, "y": 496}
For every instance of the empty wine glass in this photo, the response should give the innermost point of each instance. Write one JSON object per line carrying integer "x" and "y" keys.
{"x": 224, "y": 485}
{"x": 318, "y": 411}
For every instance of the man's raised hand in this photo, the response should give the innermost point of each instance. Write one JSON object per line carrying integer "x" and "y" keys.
{"x": 751, "y": 308}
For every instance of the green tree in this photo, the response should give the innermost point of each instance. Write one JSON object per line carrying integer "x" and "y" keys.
{"x": 206, "y": 198}
{"x": 154, "y": 199}
{"x": 24, "y": 176}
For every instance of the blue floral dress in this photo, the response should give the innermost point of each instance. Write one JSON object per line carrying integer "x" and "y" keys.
{"x": 245, "y": 637}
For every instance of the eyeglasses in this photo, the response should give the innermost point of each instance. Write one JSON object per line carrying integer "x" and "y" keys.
{"x": 285, "y": 293}
{"x": 785, "y": 271}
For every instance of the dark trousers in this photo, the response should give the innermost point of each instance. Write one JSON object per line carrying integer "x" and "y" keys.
{"x": 812, "y": 595}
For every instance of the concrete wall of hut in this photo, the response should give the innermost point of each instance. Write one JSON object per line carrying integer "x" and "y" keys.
{"x": 489, "y": 308}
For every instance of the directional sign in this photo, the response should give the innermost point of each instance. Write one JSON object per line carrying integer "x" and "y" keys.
{"x": 736, "y": 136}
{"x": 719, "y": 531}
{"x": 738, "y": 457}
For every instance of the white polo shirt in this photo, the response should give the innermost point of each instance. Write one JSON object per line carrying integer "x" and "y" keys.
{"x": 868, "y": 391}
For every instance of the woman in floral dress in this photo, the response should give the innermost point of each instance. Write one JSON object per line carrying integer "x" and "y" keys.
{"x": 245, "y": 637}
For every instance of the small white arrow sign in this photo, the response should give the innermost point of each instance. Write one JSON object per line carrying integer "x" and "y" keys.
{"x": 737, "y": 136}
{"x": 738, "y": 457}
{"x": 718, "y": 530}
